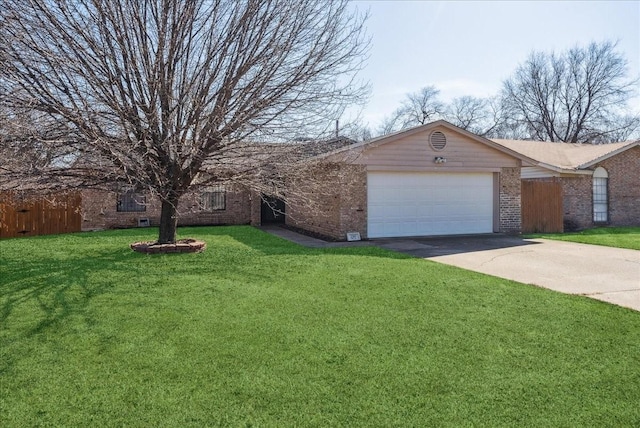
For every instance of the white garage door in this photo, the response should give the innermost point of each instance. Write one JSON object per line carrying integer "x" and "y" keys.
{"x": 417, "y": 204}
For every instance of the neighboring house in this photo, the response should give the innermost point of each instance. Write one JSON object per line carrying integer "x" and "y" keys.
{"x": 600, "y": 184}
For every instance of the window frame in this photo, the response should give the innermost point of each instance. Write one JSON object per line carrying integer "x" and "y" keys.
{"x": 213, "y": 199}
{"x": 600, "y": 196}
{"x": 130, "y": 201}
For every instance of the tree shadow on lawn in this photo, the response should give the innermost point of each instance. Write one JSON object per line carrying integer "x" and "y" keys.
{"x": 51, "y": 289}
{"x": 39, "y": 295}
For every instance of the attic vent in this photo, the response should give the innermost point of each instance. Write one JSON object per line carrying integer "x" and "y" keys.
{"x": 437, "y": 140}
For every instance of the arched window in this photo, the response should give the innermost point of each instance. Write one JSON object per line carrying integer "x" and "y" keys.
{"x": 600, "y": 195}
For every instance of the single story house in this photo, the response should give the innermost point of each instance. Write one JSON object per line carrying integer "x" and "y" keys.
{"x": 211, "y": 205}
{"x": 434, "y": 179}
{"x": 599, "y": 183}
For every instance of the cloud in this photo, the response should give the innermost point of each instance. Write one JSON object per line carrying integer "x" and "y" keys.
{"x": 453, "y": 88}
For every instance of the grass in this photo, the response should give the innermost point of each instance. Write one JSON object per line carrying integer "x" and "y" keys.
{"x": 257, "y": 331}
{"x": 620, "y": 237}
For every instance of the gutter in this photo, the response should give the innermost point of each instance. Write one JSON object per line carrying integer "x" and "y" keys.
{"x": 564, "y": 170}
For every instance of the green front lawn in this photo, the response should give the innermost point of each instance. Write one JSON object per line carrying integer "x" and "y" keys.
{"x": 621, "y": 237}
{"x": 257, "y": 331}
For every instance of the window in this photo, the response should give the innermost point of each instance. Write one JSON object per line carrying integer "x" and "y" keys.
{"x": 214, "y": 199}
{"x": 130, "y": 202}
{"x": 600, "y": 196}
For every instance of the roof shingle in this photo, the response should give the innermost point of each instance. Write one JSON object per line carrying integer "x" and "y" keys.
{"x": 564, "y": 155}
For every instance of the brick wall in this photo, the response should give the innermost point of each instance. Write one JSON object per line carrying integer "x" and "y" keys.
{"x": 624, "y": 193}
{"x": 577, "y": 202}
{"x": 337, "y": 202}
{"x": 255, "y": 209}
{"x": 99, "y": 211}
{"x": 353, "y": 203}
{"x": 624, "y": 187}
{"x": 237, "y": 210}
{"x": 510, "y": 202}
{"x": 332, "y": 202}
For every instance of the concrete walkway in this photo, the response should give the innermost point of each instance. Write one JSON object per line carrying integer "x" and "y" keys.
{"x": 604, "y": 273}
{"x": 308, "y": 241}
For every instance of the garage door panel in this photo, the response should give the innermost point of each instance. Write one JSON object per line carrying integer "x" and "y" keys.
{"x": 414, "y": 204}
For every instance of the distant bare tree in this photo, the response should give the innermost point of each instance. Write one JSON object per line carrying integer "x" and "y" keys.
{"x": 620, "y": 127}
{"x": 482, "y": 116}
{"x": 498, "y": 123}
{"x": 356, "y": 130}
{"x": 470, "y": 113}
{"x": 578, "y": 96}
{"x": 416, "y": 109}
{"x": 166, "y": 95}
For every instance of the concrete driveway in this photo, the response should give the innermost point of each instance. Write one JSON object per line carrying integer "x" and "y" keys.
{"x": 604, "y": 273}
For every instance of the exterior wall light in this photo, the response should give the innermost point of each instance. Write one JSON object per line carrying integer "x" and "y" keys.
{"x": 440, "y": 159}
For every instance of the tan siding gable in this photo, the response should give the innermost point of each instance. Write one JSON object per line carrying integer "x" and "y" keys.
{"x": 414, "y": 152}
{"x": 537, "y": 172}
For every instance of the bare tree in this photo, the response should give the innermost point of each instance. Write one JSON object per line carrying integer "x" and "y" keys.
{"x": 356, "y": 130}
{"x": 578, "y": 96}
{"x": 169, "y": 94}
{"x": 21, "y": 147}
{"x": 416, "y": 109}
{"x": 468, "y": 113}
{"x": 487, "y": 117}
{"x": 482, "y": 116}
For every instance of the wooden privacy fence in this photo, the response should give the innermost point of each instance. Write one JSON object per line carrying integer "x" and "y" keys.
{"x": 542, "y": 207}
{"x": 31, "y": 216}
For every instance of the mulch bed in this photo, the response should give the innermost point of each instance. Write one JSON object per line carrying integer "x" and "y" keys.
{"x": 181, "y": 246}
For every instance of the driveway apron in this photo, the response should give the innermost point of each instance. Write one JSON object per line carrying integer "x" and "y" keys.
{"x": 604, "y": 273}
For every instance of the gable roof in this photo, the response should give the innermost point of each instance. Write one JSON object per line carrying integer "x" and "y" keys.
{"x": 566, "y": 157}
{"x": 385, "y": 139}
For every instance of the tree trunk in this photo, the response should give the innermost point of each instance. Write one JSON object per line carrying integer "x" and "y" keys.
{"x": 168, "y": 221}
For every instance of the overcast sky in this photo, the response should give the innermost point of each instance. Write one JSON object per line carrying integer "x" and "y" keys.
{"x": 470, "y": 47}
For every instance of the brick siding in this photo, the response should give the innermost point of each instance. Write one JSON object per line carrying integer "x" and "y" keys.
{"x": 353, "y": 201}
{"x": 577, "y": 202}
{"x": 332, "y": 203}
{"x": 337, "y": 202}
{"x": 624, "y": 193}
{"x": 510, "y": 203}
{"x": 624, "y": 187}
{"x": 99, "y": 211}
